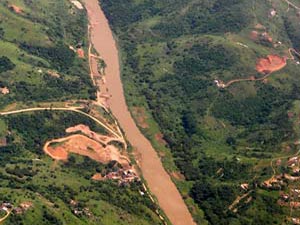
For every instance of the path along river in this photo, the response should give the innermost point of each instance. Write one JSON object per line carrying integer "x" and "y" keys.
{"x": 157, "y": 178}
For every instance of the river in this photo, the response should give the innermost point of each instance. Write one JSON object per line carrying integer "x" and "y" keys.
{"x": 158, "y": 180}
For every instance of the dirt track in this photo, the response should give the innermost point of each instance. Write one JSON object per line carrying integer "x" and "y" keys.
{"x": 157, "y": 178}
{"x": 6, "y": 216}
{"x": 73, "y": 109}
{"x": 267, "y": 66}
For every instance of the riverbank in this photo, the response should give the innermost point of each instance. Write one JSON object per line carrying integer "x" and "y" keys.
{"x": 157, "y": 178}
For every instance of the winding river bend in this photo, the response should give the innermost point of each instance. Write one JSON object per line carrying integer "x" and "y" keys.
{"x": 157, "y": 178}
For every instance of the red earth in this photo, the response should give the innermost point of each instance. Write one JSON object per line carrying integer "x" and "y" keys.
{"x": 270, "y": 64}
{"x": 16, "y": 9}
{"x": 80, "y": 53}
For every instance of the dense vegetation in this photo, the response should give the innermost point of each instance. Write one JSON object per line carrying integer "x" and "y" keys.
{"x": 29, "y": 175}
{"x": 36, "y": 61}
{"x": 219, "y": 138}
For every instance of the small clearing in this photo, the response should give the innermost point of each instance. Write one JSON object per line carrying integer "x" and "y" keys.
{"x": 97, "y": 176}
{"x": 53, "y": 74}
{"x": 260, "y": 36}
{"x": 16, "y": 9}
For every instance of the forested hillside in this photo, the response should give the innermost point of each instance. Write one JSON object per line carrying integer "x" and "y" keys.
{"x": 46, "y": 101}
{"x": 218, "y": 81}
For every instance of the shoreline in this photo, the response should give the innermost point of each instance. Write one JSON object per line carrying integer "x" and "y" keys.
{"x": 158, "y": 180}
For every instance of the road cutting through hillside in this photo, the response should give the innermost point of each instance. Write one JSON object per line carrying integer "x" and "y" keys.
{"x": 267, "y": 66}
{"x": 157, "y": 178}
{"x": 73, "y": 109}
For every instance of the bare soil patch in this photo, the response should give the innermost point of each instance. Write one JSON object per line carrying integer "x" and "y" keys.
{"x": 260, "y": 36}
{"x": 97, "y": 176}
{"x": 270, "y": 64}
{"x": 85, "y": 146}
{"x": 80, "y": 53}
{"x": 58, "y": 153}
{"x": 53, "y": 74}
{"x": 254, "y": 35}
{"x": 16, "y": 9}
{"x": 3, "y": 142}
{"x": 159, "y": 137}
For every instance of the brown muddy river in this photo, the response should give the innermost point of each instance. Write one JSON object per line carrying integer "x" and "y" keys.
{"x": 157, "y": 178}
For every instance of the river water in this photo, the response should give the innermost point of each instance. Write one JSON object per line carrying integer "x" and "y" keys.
{"x": 157, "y": 178}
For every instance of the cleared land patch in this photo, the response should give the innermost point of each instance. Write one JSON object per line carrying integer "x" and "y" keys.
{"x": 82, "y": 145}
{"x": 270, "y": 64}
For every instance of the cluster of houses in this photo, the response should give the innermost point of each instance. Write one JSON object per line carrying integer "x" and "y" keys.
{"x": 123, "y": 176}
{"x": 278, "y": 181}
{"x": 291, "y": 198}
{"x": 4, "y": 90}
{"x": 295, "y": 220}
{"x": 9, "y": 207}
{"x": 219, "y": 83}
{"x": 80, "y": 211}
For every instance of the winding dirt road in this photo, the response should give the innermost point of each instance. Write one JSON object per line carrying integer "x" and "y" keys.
{"x": 73, "y": 109}
{"x": 157, "y": 178}
{"x": 8, "y": 212}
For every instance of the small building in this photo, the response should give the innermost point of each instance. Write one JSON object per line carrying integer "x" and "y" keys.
{"x": 4, "y": 90}
{"x": 272, "y": 13}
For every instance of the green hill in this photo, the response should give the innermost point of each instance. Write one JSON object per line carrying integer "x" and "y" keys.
{"x": 218, "y": 138}
{"x": 40, "y": 67}
{"x": 36, "y": 43}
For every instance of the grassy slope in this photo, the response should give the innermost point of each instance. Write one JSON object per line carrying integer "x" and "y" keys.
{"x": 44, "y": 25}
{"x": 171, "y": 53}
{"x": 50, "y": 185}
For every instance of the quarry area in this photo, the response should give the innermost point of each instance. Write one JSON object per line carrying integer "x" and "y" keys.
{"x": 101, "y": 148}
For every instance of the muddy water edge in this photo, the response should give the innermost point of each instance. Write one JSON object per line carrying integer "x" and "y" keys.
{"x": 158, "y": 180}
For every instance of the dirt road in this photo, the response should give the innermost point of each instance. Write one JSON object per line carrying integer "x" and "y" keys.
{"x": 5, "y": 217}
{"x": 73, "y": 109}
{"x": 157, "y": 178}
